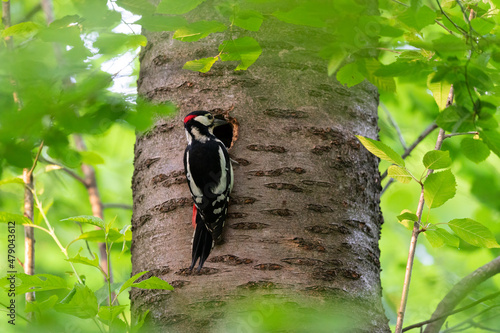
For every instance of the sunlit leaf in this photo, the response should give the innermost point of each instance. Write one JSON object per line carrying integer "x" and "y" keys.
{"x": 78, "y": 259}
{"x": 130, "y": 282}
{"x": 94, "y": 220}
{"x": 407, "y": 219}
{"x": 198, "y": 30}
{"x": 246, "y": 50}
{"x": 440, "y": 91}
{"x": 109, "y": 313}
{"x": 82, "y": 303}
{"x": 38, "y": 282}
{"x": 14, "y": 180}
{"x": 153, "y": 283}
{"x": 202, "y": 65}
{"x": 17, "y": 218}
{"x": 438, "y": 237}
{"x": 473, "y": 233}
{"x": 381, "y": 150}
{"x": 437, "y": 159}
{"x": 439, "y": 187}
{"x": 400, "y": 174}
{"x": 41, "y": 306}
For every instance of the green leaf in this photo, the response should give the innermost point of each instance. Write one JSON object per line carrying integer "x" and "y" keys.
{"x": 450, "y": 44}
{"x": 438, "y": 237}
{"x": 38, "y": 282}
{"x": 475, "y": 149}
{"x": 246, "y": 50}
{"x": 400, "y": 174}
{"x": 82, "y": 303}
{"x": 140, "y": 7}
{"x": 349, "y": 75}
{"x": 43, "y": 306}
{"x": 440, "y": 91}
{"x": 381, "y": 150}
{"x": 482, "y": 25}
{"x": 89, "y": 157}
{"x": 492, "y": 139}
{"x": 455, "y": 119}
{"x": 248, "y": 19}
{"x": 437, "y": 159}
{"x": 439, "y": 187}
{"x": 109, "y": 313}
{"x": 112, "y": 43}
{"x": 17, "y": 218}
{"x": 94, "y": 220}
{"x": 407, "y": 218}
{"x": 130, "y": 282}
{"x": 198, "y": 30}
{"x": 202, "y": 65}
{"x": 473, "y": 233}
{"x": 85, "y": 261}
{"x": 162, "y": 23}
{"x": 308, "y": 14}
{"x": 153, "y": 283}
{"x": 176, "y": 7}
{"x": 13, "y": 180}
{"x": 22, "y": 30}
{"x": 336, "y": 60}
{"x": 100, "y": 236}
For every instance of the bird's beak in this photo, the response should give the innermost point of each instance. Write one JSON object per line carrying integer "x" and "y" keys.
{"x": 219, "y": 122}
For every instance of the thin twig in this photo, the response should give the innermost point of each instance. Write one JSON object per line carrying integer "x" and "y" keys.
{"x": 470, "y": 320}
{"x": 464, "y": 133}
{"x": 415, "y": 233}
{"x": 68, "y": 171}
{"x": 463, "y": 308}
{"x": 395, "y": 125}
{"x": 29, "y": 232}
{"x": 95, "y": 202}
{"x": 420, "y": 138}
{"x": 459, "y": 291}
{"x": 117, "y": 205}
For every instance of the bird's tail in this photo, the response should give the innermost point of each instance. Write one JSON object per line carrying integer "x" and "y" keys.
{"x": 202, "y": 243}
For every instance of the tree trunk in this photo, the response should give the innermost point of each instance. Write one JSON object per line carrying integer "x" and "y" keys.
{"x": 304, "y": 218}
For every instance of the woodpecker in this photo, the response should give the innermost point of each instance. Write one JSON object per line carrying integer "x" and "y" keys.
{"x": 210, "y": 178}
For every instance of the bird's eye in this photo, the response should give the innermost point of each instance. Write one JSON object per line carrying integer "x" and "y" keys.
{"x": 209, "y": 116}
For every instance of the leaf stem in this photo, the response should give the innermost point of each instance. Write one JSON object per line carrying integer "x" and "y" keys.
{"x": 51, "y": 232}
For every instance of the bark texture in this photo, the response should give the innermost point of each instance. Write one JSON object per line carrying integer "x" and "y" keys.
{"x": 304, "y": 217}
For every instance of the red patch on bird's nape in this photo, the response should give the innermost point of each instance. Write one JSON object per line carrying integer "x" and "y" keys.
{"x": 194, "y": 216}
{"x": 188, "y": 118}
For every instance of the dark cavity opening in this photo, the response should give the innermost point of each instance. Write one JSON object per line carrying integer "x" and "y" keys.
{"x": 227, "y": 133}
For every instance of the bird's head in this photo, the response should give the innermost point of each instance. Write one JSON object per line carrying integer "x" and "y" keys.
{"x": 200, "y": 125}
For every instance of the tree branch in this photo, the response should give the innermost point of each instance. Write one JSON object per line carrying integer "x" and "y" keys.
{"x": 464, "y": 133}
{"x": 117, "y": 205}
{"x": 68, "y": 171}
{"x": 420, "y": 138}
{"x": 463, "y": 308}
{"x": 459, "y": 291}
{"x": 95, "y": 202}
{"x": 415, "y": 233}
{"x": 395, "y": 125}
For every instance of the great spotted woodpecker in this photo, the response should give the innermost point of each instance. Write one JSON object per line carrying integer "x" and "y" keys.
{"x": 210, "y": 178}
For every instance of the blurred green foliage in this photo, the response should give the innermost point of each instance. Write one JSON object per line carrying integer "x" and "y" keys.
{"x": 52, "y": 85}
